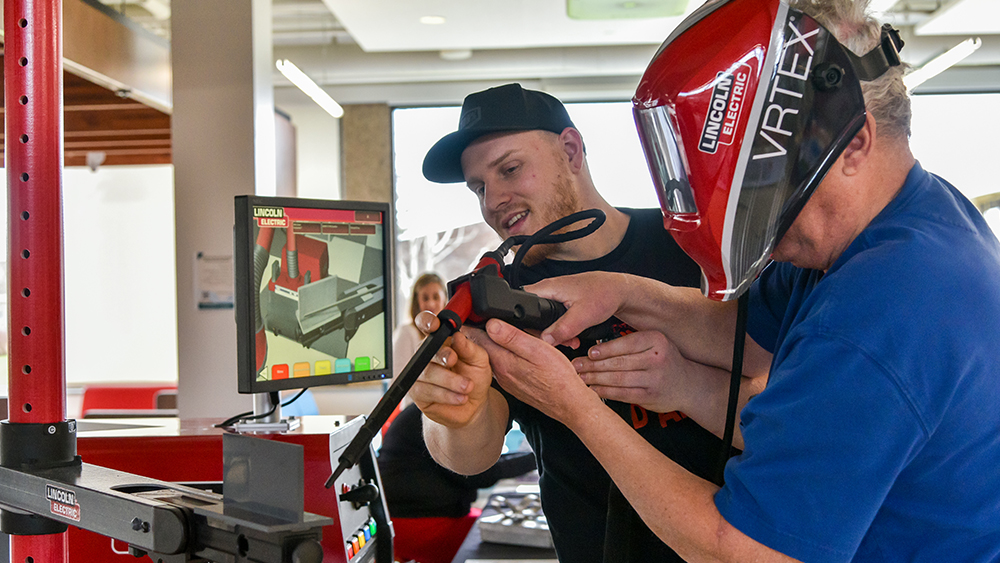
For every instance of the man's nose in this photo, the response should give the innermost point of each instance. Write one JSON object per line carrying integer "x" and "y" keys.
{"x": 494, "y": 197}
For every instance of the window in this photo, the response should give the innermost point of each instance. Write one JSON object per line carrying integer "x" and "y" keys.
{"x": 120, "y": 276}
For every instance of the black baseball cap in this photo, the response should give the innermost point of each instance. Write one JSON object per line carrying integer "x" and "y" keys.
{"x": 504, "y": 108}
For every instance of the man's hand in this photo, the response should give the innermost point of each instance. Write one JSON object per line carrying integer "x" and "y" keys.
{"x": 453, "y": 388}
{"x": 536, "y": 373}
{"x": 642, "y": 368}
{"x": 590, "y": 299}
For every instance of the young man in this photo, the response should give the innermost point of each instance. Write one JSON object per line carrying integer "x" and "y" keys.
{"x": 876, "y": 438}
{"x": 520, "y": 154}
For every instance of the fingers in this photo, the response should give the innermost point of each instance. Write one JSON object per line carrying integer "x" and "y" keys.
{"x": 631, "y": 351}
{"x": 572, "y": 323}
{"x": 440, "y": 384}
{"x": 590, "y": 299}
{"x": 469, "y": 350}
{"x": 505, "y": 337}
{"x": 453, "y": 374}
{"x": 427, "y": 322}
{"x": 614, "y": 372}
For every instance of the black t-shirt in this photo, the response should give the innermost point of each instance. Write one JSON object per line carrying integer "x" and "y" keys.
{"x": 415, "y": 486}
{"x": 574, "y": 486}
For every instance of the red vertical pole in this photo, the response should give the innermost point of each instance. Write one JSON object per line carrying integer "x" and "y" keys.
{"x": 33, "y": 92}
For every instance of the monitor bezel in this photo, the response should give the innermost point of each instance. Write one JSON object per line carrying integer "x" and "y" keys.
{"x": 243, "y": 241}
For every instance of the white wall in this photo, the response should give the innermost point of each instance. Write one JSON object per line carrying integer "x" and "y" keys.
{"x": 317, "y": 142}
{"x": 119, "y": 275}
{"x": 954, "y": 137}
{"x": 120, "y": 292}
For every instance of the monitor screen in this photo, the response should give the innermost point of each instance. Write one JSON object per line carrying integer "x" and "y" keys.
{"x": 312, "y": 277}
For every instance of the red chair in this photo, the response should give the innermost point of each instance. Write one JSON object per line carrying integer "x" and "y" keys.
{"x": 431, "y": 540}
{"x": 108, "y": 399}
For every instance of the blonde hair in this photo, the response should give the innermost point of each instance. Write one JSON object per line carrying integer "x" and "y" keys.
{"x": 852, "y": 24}
{"x": 423, "y": 281}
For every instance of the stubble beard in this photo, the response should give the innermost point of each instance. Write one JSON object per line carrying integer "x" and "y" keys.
{"x": 564, "y": 202}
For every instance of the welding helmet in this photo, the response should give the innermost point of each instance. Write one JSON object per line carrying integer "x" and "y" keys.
{"x": 741, "y": 113}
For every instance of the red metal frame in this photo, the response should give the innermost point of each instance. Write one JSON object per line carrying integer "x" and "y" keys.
{"x": 33, "y": 92}
{"x": 34, "y": 133}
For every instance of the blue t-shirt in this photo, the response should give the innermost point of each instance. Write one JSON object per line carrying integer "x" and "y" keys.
{"x": 878, "y": 435}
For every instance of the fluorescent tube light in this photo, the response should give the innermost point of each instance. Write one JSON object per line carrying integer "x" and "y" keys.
{"x": 311, "y": 89}
{"x": 880, "y": 7}
{"x": 942, "y": 62}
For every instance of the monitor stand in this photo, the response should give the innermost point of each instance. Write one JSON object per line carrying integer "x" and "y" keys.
{"x": 266, "y": 425}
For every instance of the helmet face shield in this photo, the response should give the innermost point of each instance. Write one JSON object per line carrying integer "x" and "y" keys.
{"x": 741, "y": 113}
{"x": 661, "y": 142}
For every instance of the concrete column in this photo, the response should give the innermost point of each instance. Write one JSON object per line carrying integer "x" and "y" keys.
{"x": 223, "y": 146}
{"x": 366, "y": 140}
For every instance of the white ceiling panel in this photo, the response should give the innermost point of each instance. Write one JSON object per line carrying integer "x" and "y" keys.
{"x": 392, "y": 25}
{"x": 963, "y": 17}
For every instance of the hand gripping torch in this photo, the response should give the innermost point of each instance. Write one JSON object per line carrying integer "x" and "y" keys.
{"x": 475, "y": 298}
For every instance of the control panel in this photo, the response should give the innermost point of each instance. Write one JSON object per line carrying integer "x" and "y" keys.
{"x": 364, "y": 518}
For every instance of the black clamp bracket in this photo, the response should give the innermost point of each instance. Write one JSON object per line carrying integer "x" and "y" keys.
{"x": 876, "y": 62}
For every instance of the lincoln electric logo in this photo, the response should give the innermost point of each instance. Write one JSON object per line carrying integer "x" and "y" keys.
{"x": 724, "y": 109}
{"x": 270, "y": 216}
{"x": 62, "y": 502}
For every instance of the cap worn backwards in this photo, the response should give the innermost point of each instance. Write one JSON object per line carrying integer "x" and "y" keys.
{"x": 504, "y": 108}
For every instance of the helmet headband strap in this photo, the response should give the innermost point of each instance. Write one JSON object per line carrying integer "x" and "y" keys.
{"x": 884, "y": 56}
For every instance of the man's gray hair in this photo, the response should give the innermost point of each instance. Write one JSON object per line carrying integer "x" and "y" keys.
{"x": 885, "y": 97}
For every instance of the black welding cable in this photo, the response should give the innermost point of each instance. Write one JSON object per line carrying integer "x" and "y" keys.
{"x": 734, "y": 386}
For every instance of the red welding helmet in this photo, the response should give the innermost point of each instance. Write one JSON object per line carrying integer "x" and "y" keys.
{"x": 741, "y": 113}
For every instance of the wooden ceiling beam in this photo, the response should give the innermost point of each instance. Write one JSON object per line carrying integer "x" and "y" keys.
{"x": 96, "y": 119}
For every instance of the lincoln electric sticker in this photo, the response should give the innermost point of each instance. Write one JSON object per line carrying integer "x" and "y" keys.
{"x": 724, "y": 108}
{"x": 62, "y": 502}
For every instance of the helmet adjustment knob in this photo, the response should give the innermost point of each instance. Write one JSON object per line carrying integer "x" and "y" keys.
{"x": 827, "y": 76}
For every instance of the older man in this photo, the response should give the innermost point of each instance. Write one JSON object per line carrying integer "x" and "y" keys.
{"x": 876, "y": 438}
{"x": 520, "y": 154}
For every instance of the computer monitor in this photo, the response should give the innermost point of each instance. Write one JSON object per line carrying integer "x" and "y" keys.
{"x": 313, "y": 279}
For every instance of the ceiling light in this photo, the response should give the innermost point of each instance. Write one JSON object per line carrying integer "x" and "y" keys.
{"x": 432, "y": 20}
{"x": 311, "y": 89}
{"x": 879, "y": 7}
{"x": 619, "y": 9}
{"x": 942, "y": 62}
{"x": 455, "y": 54}
{"x": 965, "y": 17}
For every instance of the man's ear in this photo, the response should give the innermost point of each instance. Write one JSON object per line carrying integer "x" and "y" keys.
{"x": 572, "y": 145}
{"x": 860, "y": 148}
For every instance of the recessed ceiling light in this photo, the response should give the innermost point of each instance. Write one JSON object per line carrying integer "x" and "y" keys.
{"x": 432, "y": 20}
{"x": 455, "y": 54}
